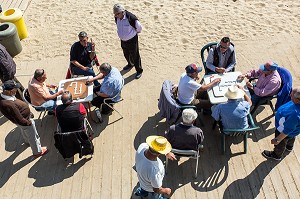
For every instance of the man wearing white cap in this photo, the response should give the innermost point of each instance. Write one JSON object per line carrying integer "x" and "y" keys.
{"x": 190, "y": 91}
{"x": 150, "y": 169}
{"x": 185, "y": 136}
{"x": 233, "y": 114}
{"x": 267, "y": 84}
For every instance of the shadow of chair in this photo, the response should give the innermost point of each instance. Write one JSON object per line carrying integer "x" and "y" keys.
{"x": 189, "y": 154}
{"x": 168, "y": 106}
{"x": 236, "y": 132}
{"x": 283, "y": 96}
{"x": 42, "y": 110}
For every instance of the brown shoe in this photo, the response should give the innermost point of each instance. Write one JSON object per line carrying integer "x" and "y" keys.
{"x": 44, "y": 152}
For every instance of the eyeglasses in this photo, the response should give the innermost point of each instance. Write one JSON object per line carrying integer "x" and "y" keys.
{"x": 117, "y": 14}
{"x": 66, "y": 92}
{"x": 223, "y": 47}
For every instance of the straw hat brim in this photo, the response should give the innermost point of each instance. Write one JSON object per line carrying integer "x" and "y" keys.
{"x": 150, "y": 140}
{"x": 238, "y": 95}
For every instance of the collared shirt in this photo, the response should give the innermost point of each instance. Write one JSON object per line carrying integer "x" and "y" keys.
{"x": 112, "y": 83}
{"x": 125, "y": 30}
{"x": 186, "y": 89}
{"x": 6, "y": 97}
{"x": 37, "y": 91}
{"x": 223, "y": 58}
{"x": 287, "y": 119}
{"x": 233, "y": 114}
{"x": 265, "y": 85}
{"x": 81, "y": 54}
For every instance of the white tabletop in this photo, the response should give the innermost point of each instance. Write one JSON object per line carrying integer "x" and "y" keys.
{"x": 89, "y": 96}
{"x": 216, "y": 93}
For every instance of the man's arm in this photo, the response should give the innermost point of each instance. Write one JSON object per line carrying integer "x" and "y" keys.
{"x": 93, "y": 52}
{"x": 211, "y": 84}
{"x": 232, "y": 64}
{"x": 99, "y": 76}
{"x": 162, "y": 190}
{"x": 210, "y": 60}
{"x": 19, "y": 119}
{"x": 270, "y": 88}
{"x": 278, "y": 139}
{"x": 246, "y": 97}
{"x": 138, "y": 26}
{"x": 77, "y": 64}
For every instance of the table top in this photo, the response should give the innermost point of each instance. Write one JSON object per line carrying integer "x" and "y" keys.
{"x": 216, "y": 93}
{"x": 79, "y": 86}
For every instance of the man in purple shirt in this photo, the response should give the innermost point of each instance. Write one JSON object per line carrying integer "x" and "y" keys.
{"x": 267, "y": 84}
{"x": 128, "y": 27}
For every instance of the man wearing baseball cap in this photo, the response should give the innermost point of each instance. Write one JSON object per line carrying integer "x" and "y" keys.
{"x": 150, "y": 169}
{"x": 19, "y": 113}
{"x": 192, "y": 92}
{"x": 268, "y": 81}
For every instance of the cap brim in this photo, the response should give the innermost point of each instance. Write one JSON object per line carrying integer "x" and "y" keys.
{"x": 149, "y": 141}
{"x": 262, "y": 67}
{"x": 199, "y": 69}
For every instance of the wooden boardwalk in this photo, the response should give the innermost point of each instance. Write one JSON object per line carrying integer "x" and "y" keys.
{"x": 21, "y": 4}
{"x": 109, "y": 173}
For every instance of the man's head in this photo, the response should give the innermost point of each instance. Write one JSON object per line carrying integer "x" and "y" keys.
{"x": 83, "y": 38}
{"x": 192, "y": 70}
{"x": 10, "y": 87}
{"x": 119, "y": 11}
{"x": 158, "y": 145}
{"x": 66, "y": 97}
{"x": 189, "y": 116}
{"x": 105, "y": 68}
{"x": 224, "y": 44}
{"x": 295, "y": 95}
{"x": 234, "y": 93}
{"x": 40, "y": 75}
{"x": 269, "y": 67}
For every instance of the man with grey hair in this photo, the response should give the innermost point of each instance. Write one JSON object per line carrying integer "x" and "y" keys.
{"x": 185, "y": 135}
{"x": 287, "y": 123}
{"x": 128, "y": 27}
{"x": 111, "y": 86}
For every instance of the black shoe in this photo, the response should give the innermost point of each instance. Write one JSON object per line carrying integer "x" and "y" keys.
{"x": 270, "y": 155}
{"x": 127, "y": 67}
{"x": 289, "y": 148}
{"x": 138, "y": 75}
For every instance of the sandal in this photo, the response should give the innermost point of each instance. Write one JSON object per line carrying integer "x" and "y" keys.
{"x": 44, "y": 152}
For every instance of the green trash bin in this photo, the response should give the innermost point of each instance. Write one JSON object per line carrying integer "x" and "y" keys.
{"x": 9, "y": 38}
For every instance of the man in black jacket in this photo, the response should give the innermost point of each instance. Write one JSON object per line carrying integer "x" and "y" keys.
{"x": 19, "y": 113}
{"x": 128, "y": 27}
{"x": 7, "y": 65}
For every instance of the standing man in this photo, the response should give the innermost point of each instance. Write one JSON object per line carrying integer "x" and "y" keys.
{"x": 128, "y": 27}
{"x": 287, "y": 123}
{"x": 7, "y": 65}
{"x": 221, "y": 58}
{"x": 19, "y": 113}
{"x": 81, "y": 56}
{"x": 150, "y": 169}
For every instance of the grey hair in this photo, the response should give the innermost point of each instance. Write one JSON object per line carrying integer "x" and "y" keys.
{"x": 118, "y": 8}
{"x": 189, "y": 115}
{"x": 297, "y": 92}
{"x": 66, "y": 98}
{"x": 38, "y": 73}
{"x": 105, "y": 67}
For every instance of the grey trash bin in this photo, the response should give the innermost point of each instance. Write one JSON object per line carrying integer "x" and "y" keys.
{"x": 9, "y": 38}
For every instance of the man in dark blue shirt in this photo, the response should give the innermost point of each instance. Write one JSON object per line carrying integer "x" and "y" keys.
{"x": 81, "y": 56}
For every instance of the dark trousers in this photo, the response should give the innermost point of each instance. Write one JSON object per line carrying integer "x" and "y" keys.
{"x": 131, "y": 53}
{"x": 287, "y": 142}
{"x": 98, "y": 100}
{"x": 201, "y": 100}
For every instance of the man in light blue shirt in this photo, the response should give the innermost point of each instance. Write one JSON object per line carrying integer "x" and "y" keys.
{"x": 111, "y": 86}
{"x": 233, "y": 114}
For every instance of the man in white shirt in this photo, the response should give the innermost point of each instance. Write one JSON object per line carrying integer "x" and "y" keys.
{"x": 150, "y": 169}
{"x": 128, "y": 27}
{"x": 190, "y": 91}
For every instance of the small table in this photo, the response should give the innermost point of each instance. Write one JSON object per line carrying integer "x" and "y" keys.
{"x": 217, "y": 92}
{"x": 79, "y": 86}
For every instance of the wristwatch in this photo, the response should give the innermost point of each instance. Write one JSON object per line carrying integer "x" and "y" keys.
{"x": 276, "y": 140}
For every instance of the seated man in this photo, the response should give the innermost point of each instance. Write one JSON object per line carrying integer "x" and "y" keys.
{"x": 191, "y": 92}
{"x": 267, "y": 84}
{"x": 112, "y": 85}
{"x": 39, "y": 92}
{"x": 233, "y": 114}
{"x": 70, "y": 116}
{"x": 221, "y": 58}
{"x": 81, "y": 55}
{"x": 185, "y": 136}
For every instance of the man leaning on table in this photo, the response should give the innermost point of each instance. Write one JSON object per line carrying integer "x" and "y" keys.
{"x": 233, "y": 114}
{"x": 190, "y": 91}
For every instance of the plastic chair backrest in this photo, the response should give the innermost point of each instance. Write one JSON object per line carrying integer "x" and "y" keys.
{"x": 237, "y": 132}
{"x": 206, "y": 48}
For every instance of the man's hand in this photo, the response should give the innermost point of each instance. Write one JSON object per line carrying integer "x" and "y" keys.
{"x": 240, "y": 78}
{"x": 85, "y": 68}
{"x": 240, "y": 87}
{"x": 52, "y": 86}
{"x": 249, "y": 85}
{"x": 171, "y": 156}
{"x": 216, "y": 81}
{"x": 220, "y": 70}
{"x": 168, "y": 191}
{"x": 93, "y": 46}
{"x": 60, "y": 92}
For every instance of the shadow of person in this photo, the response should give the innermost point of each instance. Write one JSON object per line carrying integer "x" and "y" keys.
{"x": 249, "y": 187}
{"x": 152, "y": 126}
{"x": 3, "y": 119}
{"x": 129, "y": 79}
{"x": 52, "y": 169}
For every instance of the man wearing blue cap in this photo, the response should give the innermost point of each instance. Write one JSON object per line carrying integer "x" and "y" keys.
{"x": 267, "y": 84}
{"x": 190, "y": 91}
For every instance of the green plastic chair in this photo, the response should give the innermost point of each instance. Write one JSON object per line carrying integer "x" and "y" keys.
{"x": 236, "y": 132}
{"x": 205, "y": 49}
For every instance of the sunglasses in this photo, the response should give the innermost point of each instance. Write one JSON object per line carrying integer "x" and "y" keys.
{"x": 117, "y": 14}
{"x": 223, "y": 47}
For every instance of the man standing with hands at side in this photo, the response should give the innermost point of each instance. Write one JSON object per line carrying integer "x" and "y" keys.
{"x": 128, "y": 27}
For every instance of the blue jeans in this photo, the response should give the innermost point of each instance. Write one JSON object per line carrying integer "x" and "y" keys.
{"x": 255, "y": 98}
{"x": 90, "y": 72}
{"x": 141, "y": 192}
{"x": 50, "y": 104}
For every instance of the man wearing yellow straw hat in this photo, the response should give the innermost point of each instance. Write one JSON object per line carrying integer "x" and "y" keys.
{"x": 150, "y": 169}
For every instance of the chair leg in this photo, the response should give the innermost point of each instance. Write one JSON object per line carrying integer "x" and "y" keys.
{"x": 254, "y": 108}
{"x": 197, "y": 161}
{"x": 223, "y": 140}
{"x": 166, "y": 169}
{"x": 272, "y": 107}
{"x": 245, "y": 142}
{"x": 113, "y": 109}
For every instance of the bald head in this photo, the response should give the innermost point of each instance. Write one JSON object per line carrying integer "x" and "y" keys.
{"x": 66, "y": 98}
